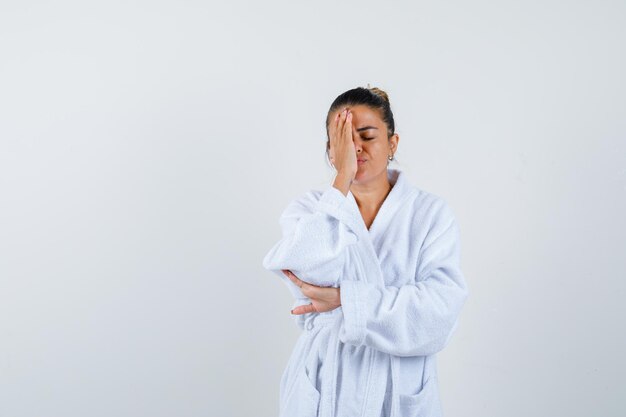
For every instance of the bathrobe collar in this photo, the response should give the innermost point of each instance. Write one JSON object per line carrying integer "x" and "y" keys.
{"x": 400, "y": 190}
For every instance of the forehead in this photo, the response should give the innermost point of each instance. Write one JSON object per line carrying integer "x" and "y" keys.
{"x": 363, "y": 114}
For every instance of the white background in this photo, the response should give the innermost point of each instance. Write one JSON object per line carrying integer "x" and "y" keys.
{"x": 148, "y": 148}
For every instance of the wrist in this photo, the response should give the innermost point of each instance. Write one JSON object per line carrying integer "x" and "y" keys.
{"x": 342, "y": 182}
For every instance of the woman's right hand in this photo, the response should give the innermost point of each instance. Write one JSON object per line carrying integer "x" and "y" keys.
{"x": 342, "y": 153}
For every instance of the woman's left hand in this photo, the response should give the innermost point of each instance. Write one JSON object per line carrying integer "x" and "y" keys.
{"x": 322, "y": 298}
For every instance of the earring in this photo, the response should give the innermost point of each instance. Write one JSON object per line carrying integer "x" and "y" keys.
{"x": 390, "y": 157}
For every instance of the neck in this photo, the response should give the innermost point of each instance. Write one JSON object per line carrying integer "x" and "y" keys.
{"x": 371, "y": 194}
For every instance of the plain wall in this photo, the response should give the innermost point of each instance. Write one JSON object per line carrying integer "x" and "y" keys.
{"x": 148, "y": 148}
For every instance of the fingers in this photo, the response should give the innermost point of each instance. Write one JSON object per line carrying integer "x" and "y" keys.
{"x": 293, "y": 278}
{"x": 309, "y": 290}
{"x": 337, "y": 125}
{"x": 300, "y": 309}
{"x": 304, "y": 309}
{"x": 343, "y": 116}
{"x": 332, "y": 128}
{"x": 347, "y": 126}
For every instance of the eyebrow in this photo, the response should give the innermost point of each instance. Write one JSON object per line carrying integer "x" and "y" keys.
{"x": 365, "y": 128}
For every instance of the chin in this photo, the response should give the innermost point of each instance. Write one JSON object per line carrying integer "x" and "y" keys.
{"x": 367, "y": 174}
{"x": 362, "y": 176}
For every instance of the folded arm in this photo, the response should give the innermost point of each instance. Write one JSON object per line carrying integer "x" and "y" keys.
{"x": 414, "y": 319}
{"x": 315, "y": 236}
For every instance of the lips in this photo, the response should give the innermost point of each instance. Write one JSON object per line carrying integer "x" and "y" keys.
{"x": 361, "y": 160}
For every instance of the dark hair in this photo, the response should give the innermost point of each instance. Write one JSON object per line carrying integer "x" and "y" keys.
{"x": 373, "y": 97}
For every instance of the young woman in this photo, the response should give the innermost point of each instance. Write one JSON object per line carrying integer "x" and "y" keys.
{"x": 374, "y": 265}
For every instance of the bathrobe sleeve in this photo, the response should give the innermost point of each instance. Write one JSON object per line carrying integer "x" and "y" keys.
{"x": 418, "y": 318}
{"x": 314, "y": 243}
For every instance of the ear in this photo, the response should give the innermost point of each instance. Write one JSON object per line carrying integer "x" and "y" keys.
{"x": 393, "y": 142}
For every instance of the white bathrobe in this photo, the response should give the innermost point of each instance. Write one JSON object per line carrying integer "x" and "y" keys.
{"x": 402, "y": 290}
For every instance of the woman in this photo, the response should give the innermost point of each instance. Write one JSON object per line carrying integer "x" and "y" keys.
{"x": 373, "y": 264}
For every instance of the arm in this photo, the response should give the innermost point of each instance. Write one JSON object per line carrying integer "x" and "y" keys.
{"x": 315, "y": 236}
{"x": 414, "y": 319}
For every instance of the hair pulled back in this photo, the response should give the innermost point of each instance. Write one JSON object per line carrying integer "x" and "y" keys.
{"x": 373, "y": 97}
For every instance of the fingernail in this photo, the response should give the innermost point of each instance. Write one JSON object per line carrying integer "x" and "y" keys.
{"x": 291, "y": 311}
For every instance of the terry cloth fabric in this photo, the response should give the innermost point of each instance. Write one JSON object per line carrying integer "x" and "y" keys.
{"x": 401, "y": 294}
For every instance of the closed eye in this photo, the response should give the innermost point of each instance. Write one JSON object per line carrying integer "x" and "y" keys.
{"x": 373, "y": 137}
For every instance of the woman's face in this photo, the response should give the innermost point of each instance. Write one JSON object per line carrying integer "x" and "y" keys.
{"x": 372, "y": 147}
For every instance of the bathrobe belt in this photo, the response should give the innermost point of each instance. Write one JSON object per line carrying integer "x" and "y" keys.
{"x": 333, "y": 320}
